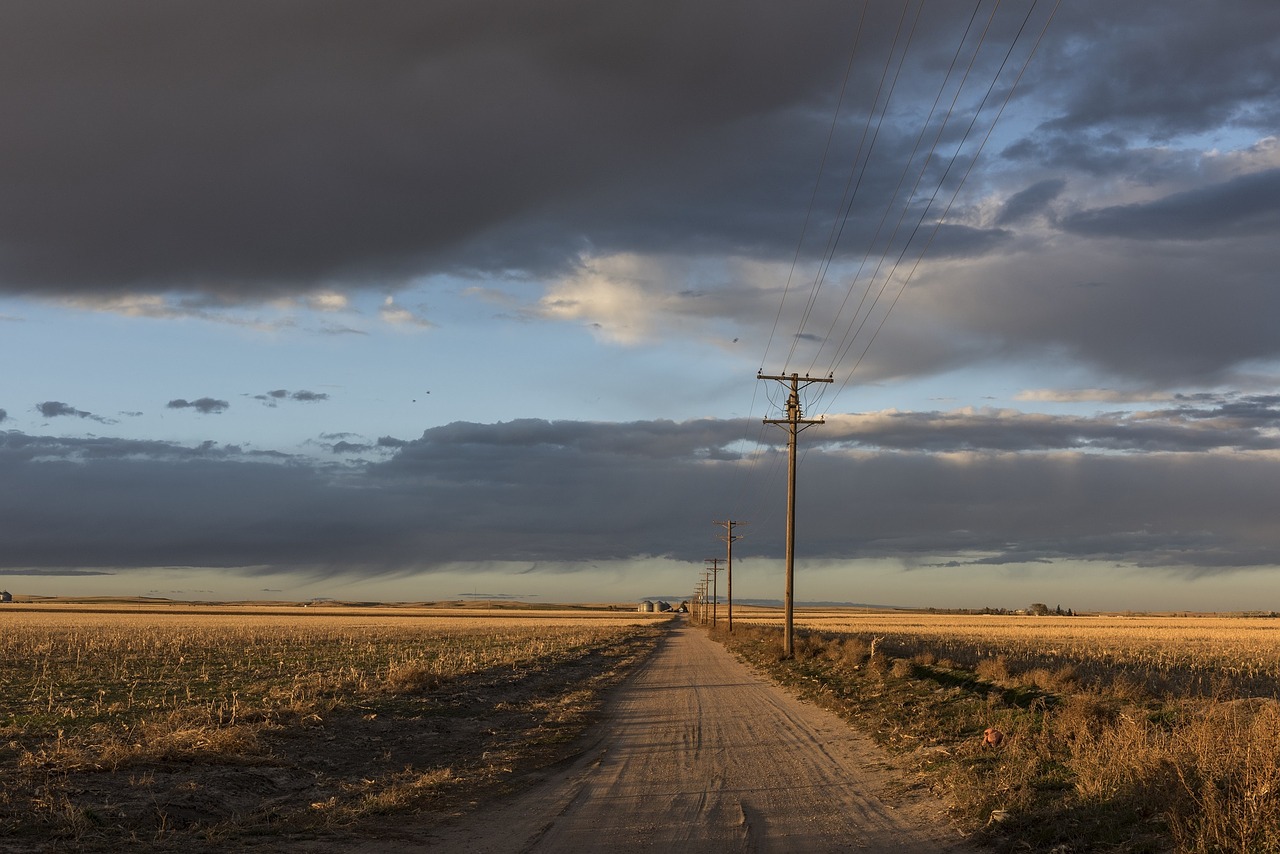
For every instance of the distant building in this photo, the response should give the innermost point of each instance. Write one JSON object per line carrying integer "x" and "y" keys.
{"x": 646, "y": 607}
{"x": 6, "y": 596}
{"x": 663, "y": 606}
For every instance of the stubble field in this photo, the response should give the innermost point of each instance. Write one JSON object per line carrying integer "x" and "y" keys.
{"x": 257, "y": 725}
{"x": 1117, "y": 733}
{"x": 273, "y": 727}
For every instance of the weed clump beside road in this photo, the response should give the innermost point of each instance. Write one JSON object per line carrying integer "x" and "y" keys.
{"x": 1105, "y": 764}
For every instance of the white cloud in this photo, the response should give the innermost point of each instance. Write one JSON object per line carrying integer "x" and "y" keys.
{"x": 328, "y": 301}
{"x": 1091, "y": 395}
{"x": 398, "y": 315}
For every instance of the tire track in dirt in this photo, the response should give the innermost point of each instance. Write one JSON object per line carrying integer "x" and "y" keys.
{"x": 696, "y": 749}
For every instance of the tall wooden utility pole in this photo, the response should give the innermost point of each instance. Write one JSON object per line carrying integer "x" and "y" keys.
{"x": 706, "y": 587}
{"x": 714, "y": 563}
{"x": 794, "y": 424}
{"x": 729, "y": 538}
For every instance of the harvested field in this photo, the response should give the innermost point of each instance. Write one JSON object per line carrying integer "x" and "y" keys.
{"x": 229, "y": 725}
{"x": 1117, "y": 733}
{"x": 1178, "y": 656}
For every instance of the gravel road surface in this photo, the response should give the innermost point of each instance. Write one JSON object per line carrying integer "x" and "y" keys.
{"x": 697, "y": 750}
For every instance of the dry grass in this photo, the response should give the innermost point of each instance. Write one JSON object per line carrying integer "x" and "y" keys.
{"x": 1100, "y": 750}
{"x": 182, "y": 725}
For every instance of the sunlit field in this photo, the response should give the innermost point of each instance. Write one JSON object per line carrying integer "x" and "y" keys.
{"x": 120, "y": 722}
{"x": 1116, "y": 733}
{"x": 1172, "y": 655}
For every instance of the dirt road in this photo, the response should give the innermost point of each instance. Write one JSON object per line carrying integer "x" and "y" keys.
{"x": 696, "y": 749}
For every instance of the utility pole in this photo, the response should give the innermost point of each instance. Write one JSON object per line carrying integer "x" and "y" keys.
{"x": 729, "y": 539}
{"x": 704, "y": 586}
{"x": 715, "y": 575}
{"x": 794, "y": 423}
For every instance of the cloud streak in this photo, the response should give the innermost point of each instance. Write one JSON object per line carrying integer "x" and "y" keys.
{"x": 204, "y": 405}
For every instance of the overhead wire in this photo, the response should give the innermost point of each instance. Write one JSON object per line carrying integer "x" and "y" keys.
{"x": 745, "y": 478}
{"x": 859, "y": 167}
{"x": 906, "y": 169}
{"x": 817, "y": 181}
{"x": 963, "y": 179}
{"x": 850, "y": 194}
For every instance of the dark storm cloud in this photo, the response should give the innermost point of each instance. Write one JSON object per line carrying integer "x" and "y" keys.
{"x": 256, "y": 155}
{"x": 1031, "y": 201}
{"x": 1246, "y": 205}
{"x": 3, "y": 416}
{"x": 1167, "y": 68}
{"x": 225, "y": 151}
{"x": 206, "y": 405}
{"x": 573, "y": 492}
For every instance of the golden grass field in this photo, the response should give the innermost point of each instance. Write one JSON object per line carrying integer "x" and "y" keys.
{"x": 159, "y": 724}
{"x": 210, "y": 726}
{"x": 1133, "y": 733}
{"x": 1182, "y": 655}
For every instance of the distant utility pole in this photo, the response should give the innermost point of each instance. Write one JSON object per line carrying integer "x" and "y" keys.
{"x": 794, "y": 424}
{"x": 729, "y": 538}
{"x": 715, "y": 575}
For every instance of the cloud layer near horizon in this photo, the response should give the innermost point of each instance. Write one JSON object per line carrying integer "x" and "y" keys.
{"x": 981, "y": 486}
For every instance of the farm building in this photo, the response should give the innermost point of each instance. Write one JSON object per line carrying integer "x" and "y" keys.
{"x": 6, "y": 596}
{"x": 646, "y": 607}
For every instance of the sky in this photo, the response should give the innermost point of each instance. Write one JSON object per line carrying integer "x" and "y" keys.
{"x": 406, "y": 301}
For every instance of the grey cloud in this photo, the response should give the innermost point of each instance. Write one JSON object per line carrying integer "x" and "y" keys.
{"x": 962, "y": 241}
{"x": 303, "y": 396}
{"x": 409, "y": 120}
{"x": 52, "y": 572}
{"x": 1031, "y": 201}
{"x": 1249, "y": 204}
{"x": 19, "y": 448}
{"x": 1191, "y": 312}
{"x": 1189, "y": 511}
{"x": 206, "y": 405}
{"x": 1246, "y": 425}
{"x": 58, "y": 409}
{"x": 1164, "y": 69}
{"x": 1095, "y": 155}
{"x": 4, "y": 416}
{"x": 574, "y": 492}
{"x": 639, "y": 129}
